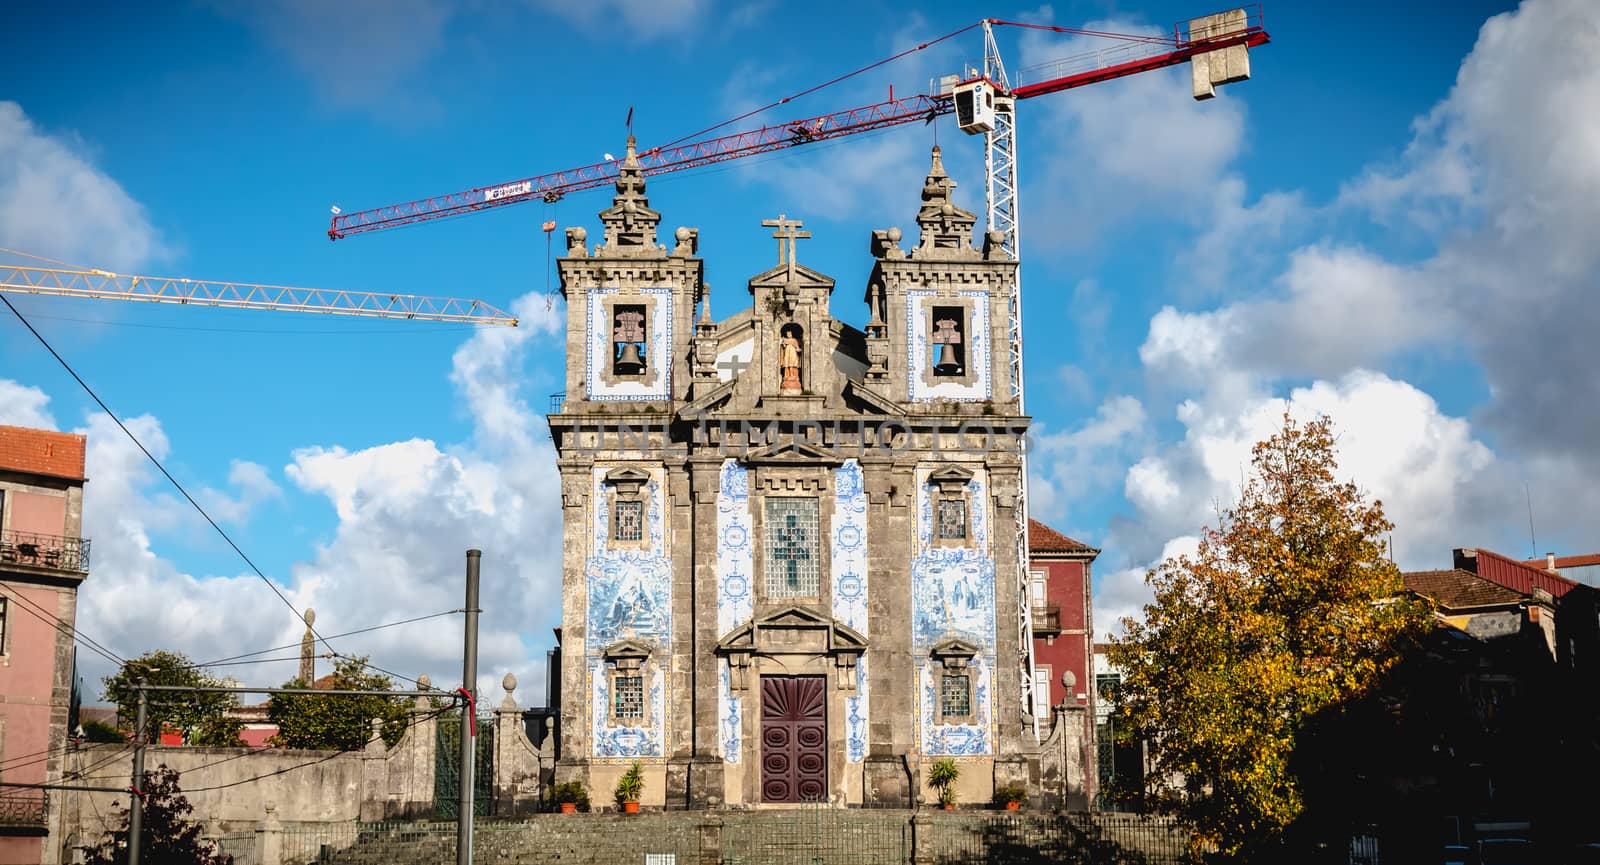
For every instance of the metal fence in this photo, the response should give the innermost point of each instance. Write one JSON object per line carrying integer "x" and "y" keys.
{"x": 815, "y": 835}
{"x": 242, "y": 847}
{"x": 1023, "y": 839}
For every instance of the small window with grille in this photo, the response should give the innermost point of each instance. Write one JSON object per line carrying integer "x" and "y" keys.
{"x": 627, "y": 698}
{"x": 952, "y": 519}
{"x": 955, "y": 696}
{"x": 627, "y": 520}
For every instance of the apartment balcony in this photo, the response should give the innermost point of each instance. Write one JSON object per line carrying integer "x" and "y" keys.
{"x": 22, "y": 812}
{"x": 1046, "y": 620}
{"x": 44, "y": 551}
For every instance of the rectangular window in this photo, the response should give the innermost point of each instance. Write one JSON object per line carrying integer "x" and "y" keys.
{"x": 1036, "y": 579}
{"x": 955, "y": 696}
{"x": 793, "y": 555}
{"x": 949, "y": 348}
{"x": 952, "y": 519}
{"x": 628, "y": 343}
{"x": 1041, "y": 692}
{"x": 627, "y": 697}
{"x": 627, "y": 521}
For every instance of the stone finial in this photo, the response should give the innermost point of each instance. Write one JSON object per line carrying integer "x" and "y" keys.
{"x": 576, "y": 247}
{"x": 271, "y": 820}
{"x": 424, "y": 683}
{"x": 310, "y": 617}
{"x": 308, "y": 643}
{"x": 946, "y": 228}
{"x": 510, "y": 684}
{"x": 630, "y": 224}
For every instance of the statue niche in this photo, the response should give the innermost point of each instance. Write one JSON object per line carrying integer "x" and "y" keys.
{"x": 791, "y": 346}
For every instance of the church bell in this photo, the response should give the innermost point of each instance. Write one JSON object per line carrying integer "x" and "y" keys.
{"x": 948, "y": 363}
{"x": 629, "y": 362}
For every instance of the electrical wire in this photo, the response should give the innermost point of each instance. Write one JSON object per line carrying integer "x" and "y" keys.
{"x": 223, "y": 661}
{"x": 66, "y": 630}
{"x": 157, "y": 463}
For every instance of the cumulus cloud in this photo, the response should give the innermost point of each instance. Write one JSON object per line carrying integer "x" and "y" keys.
{"x": 22, "y": 405}
{"x": 1075, "y": 463}
{"x": 55, "y": 202}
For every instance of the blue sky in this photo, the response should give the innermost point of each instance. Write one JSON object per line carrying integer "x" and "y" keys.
{"x": 1387, "y": 224}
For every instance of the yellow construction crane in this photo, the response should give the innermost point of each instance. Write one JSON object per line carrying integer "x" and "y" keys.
{"x": 105, "y": 285}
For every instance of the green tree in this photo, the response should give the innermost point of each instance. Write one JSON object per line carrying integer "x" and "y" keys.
{"x": 102, "y": 733}
{"x": 340, "y": 723}
{"x": 1288, "y": 607}
{"x": 168, "y": 835}
{"x": 170, "y": 710}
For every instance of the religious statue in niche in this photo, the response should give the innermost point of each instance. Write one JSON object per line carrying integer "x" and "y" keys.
{"x": 789, "y": 351}
{"x": 627, "y": 338}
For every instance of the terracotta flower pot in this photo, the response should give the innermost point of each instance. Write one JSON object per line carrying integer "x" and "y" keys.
{"x": 948, "y": 806}
{"x": 630, "y": 807}
{"x": 1013, "y": 806}
{"x": 569, "y": 807}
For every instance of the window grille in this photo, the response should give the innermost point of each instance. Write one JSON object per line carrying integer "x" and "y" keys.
{"x": 627, "y": 521}
{"x": 627, "y": 697}
{"x": 952, "y": 519}
{"x": 956, "y": 696}
{"x": 793, "y": 566}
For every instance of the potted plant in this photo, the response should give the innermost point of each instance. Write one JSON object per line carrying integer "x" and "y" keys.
{"x": 1010, "y": 797}
{"x": 629, "y": 787}
{"x": 570, "y": 795}
{"x": 942, "y": 776}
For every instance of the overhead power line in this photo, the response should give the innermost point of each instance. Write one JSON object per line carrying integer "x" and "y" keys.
{"x": 157, "y": 463}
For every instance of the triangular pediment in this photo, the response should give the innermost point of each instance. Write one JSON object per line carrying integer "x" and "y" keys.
{"x": 748, "y": 637}
{"x": 954, "y": 648}
{"x": 627, "y": 649}
{"x": 706, "y": 398}
{"x": 790, "y": 451}
{"x": 778, "y": 277}
{"x": 627, "y": 476}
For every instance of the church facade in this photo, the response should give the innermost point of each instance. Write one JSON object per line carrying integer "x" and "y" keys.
{"x": 789, "y": 564}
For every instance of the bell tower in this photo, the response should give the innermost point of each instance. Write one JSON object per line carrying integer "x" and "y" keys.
{"x": 794, "y": 343}
{"x": 938, "y": 326}
{"x": 630, "y": 301}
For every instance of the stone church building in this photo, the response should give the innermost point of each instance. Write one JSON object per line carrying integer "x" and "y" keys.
{"x": 789, "y": 564}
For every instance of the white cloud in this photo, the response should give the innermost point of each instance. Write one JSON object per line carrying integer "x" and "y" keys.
{"x": 1069, "y": 465}
{"x": 22, "y": 405}
{"x": 1123, "y": 594}
{"x": 54, "y": 202}
{"x": 254, "y": 487}
{"x": 638, "y": 20}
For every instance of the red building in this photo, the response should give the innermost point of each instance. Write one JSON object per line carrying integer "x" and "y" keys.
{"x": 1063, "y": 631}
{"x": 43, "y": 560}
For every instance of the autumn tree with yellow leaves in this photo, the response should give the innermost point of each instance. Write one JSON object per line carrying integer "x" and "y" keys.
{"x": 1289, "y": 606}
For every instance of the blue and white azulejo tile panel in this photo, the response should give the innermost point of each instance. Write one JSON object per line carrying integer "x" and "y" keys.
{"x": 658, "y": 349}
{"x": 734, "y": 548}
{"x": 953, "y": 596}
{"x": 730, "y": 715}
{"x": 850, "y": 585}
{"x": 629, "y": 598}
{"x": 918, "y": 305}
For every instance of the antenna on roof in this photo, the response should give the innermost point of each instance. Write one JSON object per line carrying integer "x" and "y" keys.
{"x": 1533, "y": 539}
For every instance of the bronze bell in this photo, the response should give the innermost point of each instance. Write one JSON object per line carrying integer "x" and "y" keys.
{"x": 629, "y": 362}
{"x": 948, "y": 363}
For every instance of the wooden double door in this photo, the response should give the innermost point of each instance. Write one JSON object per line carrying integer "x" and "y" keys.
{"x": 794, "y": 738}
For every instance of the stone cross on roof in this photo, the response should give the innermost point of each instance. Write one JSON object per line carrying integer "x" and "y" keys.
{"x": 788, "y": 230}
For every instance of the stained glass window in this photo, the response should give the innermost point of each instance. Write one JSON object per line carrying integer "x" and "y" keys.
{"x": 627, "y": 521}
{"x": 955, "y": 696}
{"x": 627, "y": 697}
{"x": 952, "y": 519}
{"x": 793, "y": 567}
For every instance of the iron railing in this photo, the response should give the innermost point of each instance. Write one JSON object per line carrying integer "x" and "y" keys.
{"x": 556, "y": 401}
{"x": 1046, "y": 619}
{"x": 49, "y": 551}
{"x": 26, "y": 808}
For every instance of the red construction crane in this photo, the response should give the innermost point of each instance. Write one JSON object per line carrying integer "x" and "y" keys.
{"x": 1134, "y": 55}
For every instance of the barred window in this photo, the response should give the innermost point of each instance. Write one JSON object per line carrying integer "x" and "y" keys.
{"x": 955, "y": 695}
{"x": 627, "y": 697}
{"x": 952, "y": 519}
{"x": 793, "y": 566}
{"x": 627, "y": 521}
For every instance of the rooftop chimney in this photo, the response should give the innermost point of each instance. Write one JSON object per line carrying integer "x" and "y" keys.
{"x": 1550, "y": 562}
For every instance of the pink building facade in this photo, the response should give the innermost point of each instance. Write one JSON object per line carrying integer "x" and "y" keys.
{"x": 43, "y": 560}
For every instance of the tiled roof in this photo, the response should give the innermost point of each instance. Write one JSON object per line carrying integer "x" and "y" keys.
{"x": 1565, "y": 561}
{"x": 1459, "y": 589}
{"x": 1043, "y": 539}
{"x": 42, "y": 452}
{"x": 1511, "y": 573}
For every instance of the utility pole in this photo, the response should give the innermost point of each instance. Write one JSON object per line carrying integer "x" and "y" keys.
{"x": 469, "y": 682}
{"x": 135, "y": 793}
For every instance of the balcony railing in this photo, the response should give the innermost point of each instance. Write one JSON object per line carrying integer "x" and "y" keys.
{"x": 1046, "y": 619}
{"x": 24, "y": 808}
{"x": 556, "y": 401}
{"x": 45, "y": 551}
